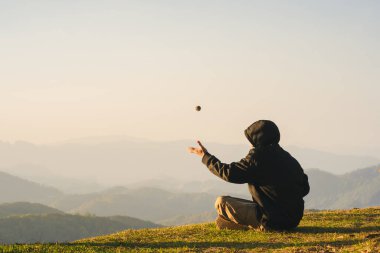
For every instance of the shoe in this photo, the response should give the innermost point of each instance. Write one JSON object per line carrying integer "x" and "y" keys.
{"x": 263, "y": 228}
{"x": 222, "y": 223}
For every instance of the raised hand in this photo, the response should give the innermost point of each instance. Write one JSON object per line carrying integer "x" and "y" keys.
{"x": 198, "y": 151}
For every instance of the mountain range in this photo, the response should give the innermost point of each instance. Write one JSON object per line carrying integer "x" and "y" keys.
{"x": 23, "y": 222}
{"x": 174, "y": 204}
{"x": 94, "y": 164}
{"x": 14, "y": 189}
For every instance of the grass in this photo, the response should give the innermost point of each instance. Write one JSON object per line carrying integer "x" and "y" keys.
{"x": 356, "y": 230}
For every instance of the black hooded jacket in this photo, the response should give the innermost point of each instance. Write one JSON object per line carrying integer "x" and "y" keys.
{"x": 275, "y": 179}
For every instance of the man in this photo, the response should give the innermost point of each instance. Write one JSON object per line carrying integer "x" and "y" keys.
{"x": 275, "y": 180}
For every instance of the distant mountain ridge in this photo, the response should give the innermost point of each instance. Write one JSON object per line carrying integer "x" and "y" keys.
{"x": 330, "y": 162}
{"x": 63, "y": 227}
{"x": 145, "y": 203}
{"x": 24, "y": 222}
{"x": 16, "y": 189}
{"x": 25, "y": 208}
{"x": 360, "y": 188}
{"x": 191, "y": 201}
{"x": 121, "y": 161}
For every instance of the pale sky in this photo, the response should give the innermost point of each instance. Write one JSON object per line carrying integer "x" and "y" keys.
{"x": 76, "y": 68}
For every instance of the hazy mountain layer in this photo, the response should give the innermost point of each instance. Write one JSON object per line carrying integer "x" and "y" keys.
{"x": 63, "y": 227}
{"x": 179, "y": 202}
{"x": 24, "y": 208}
{"x": 15, "y": 189}
{"x": 123, "y": 161}
{"x": 145, "y": 203}
{"x": 360, "y": 188}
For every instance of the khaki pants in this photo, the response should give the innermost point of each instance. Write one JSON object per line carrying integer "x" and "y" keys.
{"x": 240, "y": 211}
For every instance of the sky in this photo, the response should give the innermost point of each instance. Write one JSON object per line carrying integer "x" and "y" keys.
{"x": 78, "y": 68}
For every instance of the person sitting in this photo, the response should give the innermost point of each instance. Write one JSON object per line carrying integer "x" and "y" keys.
{"x": 275, "y": 180}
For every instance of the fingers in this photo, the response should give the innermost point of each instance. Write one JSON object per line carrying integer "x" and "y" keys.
{"x": 202, "y": 147}
{"x": 191, "y": 149}
{"x": 197, "y": 151}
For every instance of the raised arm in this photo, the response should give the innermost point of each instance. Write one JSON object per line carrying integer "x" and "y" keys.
{"x": 236, "y": 172}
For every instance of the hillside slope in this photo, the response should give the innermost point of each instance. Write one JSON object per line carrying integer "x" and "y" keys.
{"x": 359, "y": 188}
{"x": 356, "y": 230}
{"x": 18, "y": 189}
{"x": 328, "y": 191}
{"x": 63, "y": 227}
{"x": 23, "y": 208}
{"x": 145, "y": 203}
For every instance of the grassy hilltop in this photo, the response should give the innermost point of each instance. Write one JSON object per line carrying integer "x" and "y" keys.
{"x": 356, "y": 230}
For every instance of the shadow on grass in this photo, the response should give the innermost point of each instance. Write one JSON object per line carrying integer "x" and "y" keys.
{"x": 338, "y": 230}
{"x": 236, "y": 245}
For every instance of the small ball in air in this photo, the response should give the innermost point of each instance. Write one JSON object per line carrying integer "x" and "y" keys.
{"x": 198, "y": 108}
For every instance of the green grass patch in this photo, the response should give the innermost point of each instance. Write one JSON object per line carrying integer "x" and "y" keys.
{"x": 356, "y": 230}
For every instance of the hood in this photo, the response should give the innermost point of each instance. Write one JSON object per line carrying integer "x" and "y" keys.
{"x": 263, "y": 133}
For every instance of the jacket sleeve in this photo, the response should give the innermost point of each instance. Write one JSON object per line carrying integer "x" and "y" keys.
{"x": 236, "y": 172}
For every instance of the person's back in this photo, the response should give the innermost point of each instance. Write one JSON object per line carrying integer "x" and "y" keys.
{"x": 276, "y": 182}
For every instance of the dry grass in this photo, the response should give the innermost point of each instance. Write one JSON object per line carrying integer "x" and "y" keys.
{"x": 356, "y": 230}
